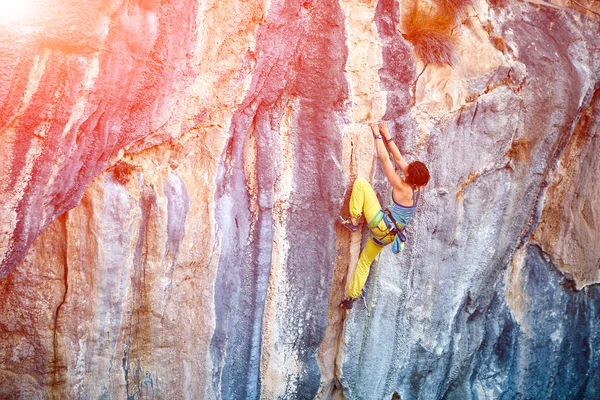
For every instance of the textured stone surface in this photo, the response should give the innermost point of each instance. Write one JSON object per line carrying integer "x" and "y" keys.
{"x": 494, "y": 159}
{"x": 170, "y": 173}
{"x": 88, "y": 81}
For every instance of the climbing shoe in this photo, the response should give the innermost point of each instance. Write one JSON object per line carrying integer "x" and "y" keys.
{"x": 347, "y": 303}
{"x": 347, "y": 223}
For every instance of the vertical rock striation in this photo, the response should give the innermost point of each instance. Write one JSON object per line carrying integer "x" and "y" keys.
{"x": 299, "y": 78}
{"x": 171, "y": 171}
{"x": 90, "y": 80}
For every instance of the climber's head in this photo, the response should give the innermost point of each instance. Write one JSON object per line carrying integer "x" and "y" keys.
{"x": 417, "y": 174}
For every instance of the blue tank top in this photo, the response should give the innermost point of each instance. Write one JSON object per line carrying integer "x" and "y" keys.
{"x": 403, "y": 214}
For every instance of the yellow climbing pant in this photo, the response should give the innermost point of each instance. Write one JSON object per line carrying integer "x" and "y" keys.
{"x": 364, "y": 202}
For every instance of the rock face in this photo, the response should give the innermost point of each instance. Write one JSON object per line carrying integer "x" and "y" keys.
{"x": 171, "y": 172}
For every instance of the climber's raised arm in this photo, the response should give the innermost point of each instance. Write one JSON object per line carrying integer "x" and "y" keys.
{"x": 393, "y": 147}
{"x": 394, "y": 179}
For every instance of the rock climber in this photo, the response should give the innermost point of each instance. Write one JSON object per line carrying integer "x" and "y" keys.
{"x": 386, "y": 225}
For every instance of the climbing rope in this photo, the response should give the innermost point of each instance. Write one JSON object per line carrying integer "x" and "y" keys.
{"x": 365, "y": 332}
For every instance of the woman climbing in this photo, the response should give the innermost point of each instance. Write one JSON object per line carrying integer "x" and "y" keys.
{"x": 386, "y": 225}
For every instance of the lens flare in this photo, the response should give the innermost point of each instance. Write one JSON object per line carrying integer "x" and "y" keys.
{"x": 15, "y": 11}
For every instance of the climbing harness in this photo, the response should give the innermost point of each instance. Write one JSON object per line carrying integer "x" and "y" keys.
{"x": 393, "y": 228}
{"x": 366, "y": 330}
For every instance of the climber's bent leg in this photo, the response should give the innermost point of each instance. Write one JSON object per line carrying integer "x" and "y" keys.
{"x": 361, "y": 273}
{"x": 363, "y": 200}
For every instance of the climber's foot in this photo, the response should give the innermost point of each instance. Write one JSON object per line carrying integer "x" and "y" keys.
{"x": 347, "y": 223}
{"x": 347, "y": 303}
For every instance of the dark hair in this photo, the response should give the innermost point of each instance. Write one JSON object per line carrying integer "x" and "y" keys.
{"x": 417, "y": 174}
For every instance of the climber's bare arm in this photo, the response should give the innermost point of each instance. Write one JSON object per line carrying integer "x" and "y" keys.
{"x": 393, "y": 147}
{"x": 382, "y": 153}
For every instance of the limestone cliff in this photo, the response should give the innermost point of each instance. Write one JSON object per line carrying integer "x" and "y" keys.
{"x": 171, "y": 172}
